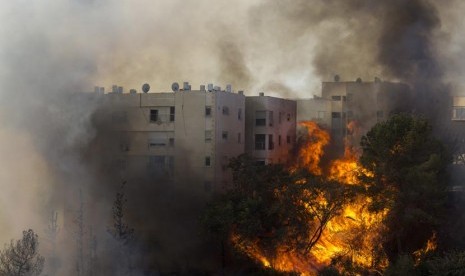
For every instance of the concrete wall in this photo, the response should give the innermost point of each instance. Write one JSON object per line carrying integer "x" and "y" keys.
{"x": 279, "y": 128}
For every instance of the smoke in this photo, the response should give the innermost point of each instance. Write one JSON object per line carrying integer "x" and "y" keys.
{"x": 50, "y": 50}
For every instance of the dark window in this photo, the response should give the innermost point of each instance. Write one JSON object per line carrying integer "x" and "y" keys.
{"x": 288, "y": 117}
{"x": 344, "y": 98}
{"x": 207, "y": 161}
{"x": 260, "y": 140}
{"x": 260, "y": 118}
{"x": 270, "y": 142}
{"x": 156, "y": 162}
{"x": 239, "y": 114}
{"x": 336, "y": 114}
{"x": 153, "y": 115}
{"x": 208, "y": 111}
{"x": 271, "y": 118}
{"x": 336, "y": 98}
{"x": 239, "y": 138}
{"x": 172, "y": 113}
{"x": 260, "y": 162}
{"x": 279, "y": 140}
{"x": 225, "y": 135}
{"x": 171, "y": 142}
{"x": 225, "y": 110}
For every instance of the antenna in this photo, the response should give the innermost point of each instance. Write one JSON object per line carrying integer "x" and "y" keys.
{"x": 146, "y": 87}
{"x": 175, "y": 87}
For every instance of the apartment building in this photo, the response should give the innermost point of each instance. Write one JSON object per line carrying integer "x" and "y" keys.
{"x": 270, "y": 128}
{"x": 184, "y": 137}
{"x": 350, "y": 108}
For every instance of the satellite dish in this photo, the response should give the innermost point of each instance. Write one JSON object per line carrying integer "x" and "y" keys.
{"x": 145, "y": 87}
{"x": 175, "y": 86}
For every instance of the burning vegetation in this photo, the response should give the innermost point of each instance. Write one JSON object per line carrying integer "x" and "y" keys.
{"x": 354, "y": 216}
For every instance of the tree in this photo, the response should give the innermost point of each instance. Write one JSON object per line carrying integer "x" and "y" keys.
{"x": 409, "y": 180}
{"x": 274, "y": 209}
{"x": 121, "y": 232}
{"x": 21, "y": 258}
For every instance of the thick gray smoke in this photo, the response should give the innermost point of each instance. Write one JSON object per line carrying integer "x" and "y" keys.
{"x": 51, "y": 49}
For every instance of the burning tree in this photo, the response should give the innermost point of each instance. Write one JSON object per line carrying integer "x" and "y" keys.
{"x": 276, "y": 215}
{"x": 408, "y": 178}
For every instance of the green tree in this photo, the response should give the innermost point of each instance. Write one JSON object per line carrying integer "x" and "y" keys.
{"x": 409, "y": 179}
{"x": 272, "y": 207}
{"x": 21, "y": 258}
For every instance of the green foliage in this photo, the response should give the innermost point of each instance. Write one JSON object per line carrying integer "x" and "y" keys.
{"x": 272, "y": 207}
{"x": 21, "y": 258}
{"x": 409, "y": 167}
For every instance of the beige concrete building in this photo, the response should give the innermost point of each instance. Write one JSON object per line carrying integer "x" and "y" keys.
{"x": 270, "y": 128}
{"x": 362, "y": 103}
{"x": 184, "y": 137}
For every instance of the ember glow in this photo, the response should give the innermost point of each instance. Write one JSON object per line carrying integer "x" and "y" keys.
{"x": 354, "y": 233}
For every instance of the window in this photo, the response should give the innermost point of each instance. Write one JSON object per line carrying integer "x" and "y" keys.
{"x": 208, "y": 135}
{"x": 458, "y": 113}
{"x": 270, "y": 142}
{"x": 224, "y": 135}
{"x": 288, "y": 117}
{"x": 260, "y": 118}
{"x": 225, "y": 110}
{"x": 260, "y": 162}
{"x": 153, "y": 115}
{"x": 271, "y": 117}
{"x": 208, "y": 111}
{"x": 279, "y": 140}
{"x": 172, "y": 112}
{"x": 288, "y": 139}
{"x": 260, "y": 140}
{"x": 335, "y": 115}
{"x": 239, "y": 114}
{"x": 344, "y": 98}
{"x": 336, "y": 98}
{"x": 207, "y": 161}
{"x": 156, "y": 162}
{"x": 279, "y": 117}
{"x": 171, "y": 142}
{"x": 157, "y": 143}
{"x": 239, "y": 138}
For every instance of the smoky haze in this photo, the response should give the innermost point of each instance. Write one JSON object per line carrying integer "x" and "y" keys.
{"x": 51, "y": 49}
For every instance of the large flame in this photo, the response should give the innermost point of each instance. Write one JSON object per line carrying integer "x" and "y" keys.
{"x": 354, "y": 234}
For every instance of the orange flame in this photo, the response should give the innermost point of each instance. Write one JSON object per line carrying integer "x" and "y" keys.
{"x": 313, "y": 149}
{"x": 353, "y": 233}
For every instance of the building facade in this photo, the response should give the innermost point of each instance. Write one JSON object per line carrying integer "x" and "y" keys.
{"x": 180, "y": 137}
{"x": 270, "y": 128}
